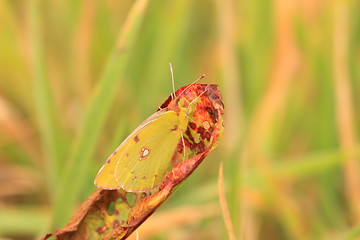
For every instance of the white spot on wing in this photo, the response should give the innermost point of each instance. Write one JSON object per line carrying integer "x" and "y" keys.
{"x": 144, "y": 153}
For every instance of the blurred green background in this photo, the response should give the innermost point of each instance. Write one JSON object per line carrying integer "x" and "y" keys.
{"x": 76, "y": 77}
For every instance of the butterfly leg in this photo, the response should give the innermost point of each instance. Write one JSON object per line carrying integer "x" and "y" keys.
{"x": 183, "y": 142}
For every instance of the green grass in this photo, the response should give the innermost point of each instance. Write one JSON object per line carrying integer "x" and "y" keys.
{"x": 76, "y": 77}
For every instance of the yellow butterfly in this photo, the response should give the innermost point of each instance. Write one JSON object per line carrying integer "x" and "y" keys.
{"x": 141, "y": 161}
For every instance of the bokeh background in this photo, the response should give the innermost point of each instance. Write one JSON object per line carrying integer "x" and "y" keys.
{"x": 76, "y": 77}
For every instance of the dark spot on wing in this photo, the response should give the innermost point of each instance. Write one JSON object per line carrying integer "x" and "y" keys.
{"x": 174, "y": 128}
{"x": 136, "y": 138}
{"x": 108, "y": 161}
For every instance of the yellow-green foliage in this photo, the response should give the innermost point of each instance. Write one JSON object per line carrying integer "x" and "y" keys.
{"x": 76, "y": 77}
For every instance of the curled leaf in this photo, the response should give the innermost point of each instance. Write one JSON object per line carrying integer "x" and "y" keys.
{"x": 115, "y": 214}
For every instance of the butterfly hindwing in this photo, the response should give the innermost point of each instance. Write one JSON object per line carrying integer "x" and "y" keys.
{"x": 146, "y": 159}
{"x": 142, "y": 160}
{"x": 105, "y": 178}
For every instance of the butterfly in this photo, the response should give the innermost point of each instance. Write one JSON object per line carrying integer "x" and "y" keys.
{"x": 142, "y": 160}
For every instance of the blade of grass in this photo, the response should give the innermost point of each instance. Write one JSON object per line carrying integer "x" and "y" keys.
{"x": 44, "y": 99}
{"x": 298, "y": 169}
{"x": 98, "y": 109}
{"x": 83, "y": 40}
{"x": 286, "y": 63}
{"x": 309, "y": 165}
{"x": 223, "y": 204}
{"x": 227, "y": 26}
{"x": 344, "y": 107}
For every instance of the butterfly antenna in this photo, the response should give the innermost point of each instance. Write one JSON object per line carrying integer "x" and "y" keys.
{"x": 197, "y": 97}
{"x": 202, "y": 76}
{"x": 172, "y": 81}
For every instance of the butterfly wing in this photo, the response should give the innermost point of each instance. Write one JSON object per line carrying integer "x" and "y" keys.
{"x": 142, "y": 160}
